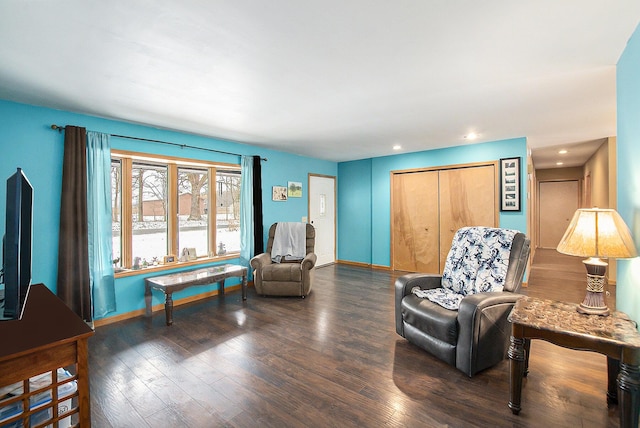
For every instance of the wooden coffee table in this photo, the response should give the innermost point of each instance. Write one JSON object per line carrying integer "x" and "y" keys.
{"x": 615, "y": 336}
{"x": 171, "y": 283}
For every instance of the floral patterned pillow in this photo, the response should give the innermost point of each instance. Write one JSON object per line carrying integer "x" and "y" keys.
{"x": 477, "y": 263}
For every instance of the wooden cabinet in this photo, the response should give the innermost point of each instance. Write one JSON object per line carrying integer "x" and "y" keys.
{"x": 49, "y": 336}
{"x": 429, "y": 206}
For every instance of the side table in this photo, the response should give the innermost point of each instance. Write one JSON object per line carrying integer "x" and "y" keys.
{"x": 615, "y": 336}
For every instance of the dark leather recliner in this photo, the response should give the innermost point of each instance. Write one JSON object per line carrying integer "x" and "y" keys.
{"x": 474, "y": 337}
{"x": 285, "y": 279}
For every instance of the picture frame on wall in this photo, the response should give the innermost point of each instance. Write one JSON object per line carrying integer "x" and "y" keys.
{"x": 295, "y": 189}
{"x": 510, "y": 184}
{"x": 279, "y": 193}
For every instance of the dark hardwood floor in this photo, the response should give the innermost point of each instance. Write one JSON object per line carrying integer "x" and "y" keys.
{"x": 332, "y": 359}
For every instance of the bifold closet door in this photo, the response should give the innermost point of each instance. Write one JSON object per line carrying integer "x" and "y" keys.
{"x": 415, "y": 231}
{"x": 467, "y": 198}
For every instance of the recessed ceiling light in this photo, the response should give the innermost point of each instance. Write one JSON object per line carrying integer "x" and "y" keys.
{"x": 563, "y": 152}
{"x": 471, "y": 136}
{"x": 397, "y": 147}
{"x": 559, "y": 163}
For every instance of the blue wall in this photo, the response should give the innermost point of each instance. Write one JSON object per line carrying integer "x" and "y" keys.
{"x": 364, "y": 197}
{"x": 27, "y": 141}
{"x": 628, "y": 99}
{"x": 354, "y": 211}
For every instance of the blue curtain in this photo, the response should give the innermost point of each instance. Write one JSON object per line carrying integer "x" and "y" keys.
{"x": 246, "y": 211}
{"x": 99, "y": 223}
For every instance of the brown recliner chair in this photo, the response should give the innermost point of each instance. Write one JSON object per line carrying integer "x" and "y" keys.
{"x": 482, "y": 277}
{"x": 287, "y": 278}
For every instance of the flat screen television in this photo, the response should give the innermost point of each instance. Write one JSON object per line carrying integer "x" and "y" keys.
{"x": 16, "y": 246}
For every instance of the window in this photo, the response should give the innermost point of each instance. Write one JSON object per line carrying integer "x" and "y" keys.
{"x": 116, "y": 211}
{"x": 193, "y": 220}
{"x": 228, "y": 210}
{"x": 162, "y": 206}
{"x": 148, "y": 213}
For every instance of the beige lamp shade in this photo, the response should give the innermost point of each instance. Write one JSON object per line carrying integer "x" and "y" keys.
{"x": 596, "y": 232}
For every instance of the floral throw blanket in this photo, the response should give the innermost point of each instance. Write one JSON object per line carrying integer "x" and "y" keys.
{"x": 477, "y": 263}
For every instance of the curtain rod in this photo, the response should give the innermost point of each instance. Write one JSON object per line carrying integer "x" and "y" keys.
{"x": 182, "y": 146}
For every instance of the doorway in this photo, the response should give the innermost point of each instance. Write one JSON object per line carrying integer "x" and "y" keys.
{"x": 322, "y": 215}
{"x": 558, "y": 201}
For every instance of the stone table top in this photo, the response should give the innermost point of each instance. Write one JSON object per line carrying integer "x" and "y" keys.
{"x": 562, "y": 317}
{"x": 203, "y": 275}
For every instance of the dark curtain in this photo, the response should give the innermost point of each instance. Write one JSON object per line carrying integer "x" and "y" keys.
{"x": 73, "y": 253}
{"x": 258, "y": 229}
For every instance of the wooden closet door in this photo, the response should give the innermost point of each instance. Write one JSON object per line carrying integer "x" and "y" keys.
{"x": 467, "y": 198}
{"x": 414, "y": 230}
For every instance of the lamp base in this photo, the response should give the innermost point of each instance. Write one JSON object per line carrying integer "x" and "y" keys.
{"x": 593, "y": 303}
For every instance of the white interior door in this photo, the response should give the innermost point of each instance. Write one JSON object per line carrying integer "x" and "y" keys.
{"x": 322, "y": 215}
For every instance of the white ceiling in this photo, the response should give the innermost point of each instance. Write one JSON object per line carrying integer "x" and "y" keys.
{"x": 332, "y": 79}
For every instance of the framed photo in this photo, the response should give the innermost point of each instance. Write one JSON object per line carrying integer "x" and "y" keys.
{"x": 169, "y": 259}
{"x": 295, "y": 189}
{"x": 279, "y": 193}
{"x": 510, "y": 184}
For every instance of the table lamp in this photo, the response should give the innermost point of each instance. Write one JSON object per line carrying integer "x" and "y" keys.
{"x": 596, "y": 233}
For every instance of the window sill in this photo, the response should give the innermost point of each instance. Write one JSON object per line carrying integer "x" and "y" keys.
{"x": 177, "y": 265}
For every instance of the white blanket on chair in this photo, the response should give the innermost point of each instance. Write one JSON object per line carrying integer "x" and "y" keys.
{"x": 289, "y": 242}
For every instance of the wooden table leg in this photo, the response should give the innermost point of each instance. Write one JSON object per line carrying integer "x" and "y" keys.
{"x": 516, "y": 365}
{"x": 527, "y": 352}
{"x": 147, "y": 299}
{"x": 244, "y": 286}
{"x": 84, "y": 401}
{"x": 168, "y": 307}
{"x": 613, "y": 368}
{"x": 629, "y": 394}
